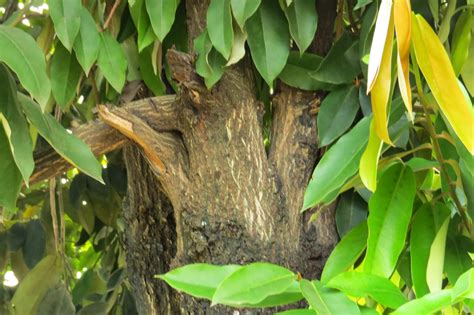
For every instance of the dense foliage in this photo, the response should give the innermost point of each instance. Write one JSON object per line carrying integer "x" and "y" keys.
{"x": 396, "y": 126}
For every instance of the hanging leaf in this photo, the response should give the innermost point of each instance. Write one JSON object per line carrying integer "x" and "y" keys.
{"x": 65, "y": 76}
{"x": 457, "y": 259}
{"x": 10, "y": 181}
{"x": 382, "y": 35}
{"x": 435, "y": 266}
{"x": 369, "y": 160}
{"x": 66, "y": 144}
{"x": 26, "y": 59}
{"x": 341, "y": 64}
{"x": 390, "y": 209}
{"x": 66, "y": 16}
{"x": 337, "y": 166}
{"x": 402, "y": 20}
{"x": 219, "y": 26}
{"x": 438, "y": 72}
{"x": 15, "y": 125}
{"x": 380, "y": 89}
{"x": 146, "y": 35}
{"x": 268, "y": 39}
{"x": 35, "y": 243}
{"x": 461, "y": 41}
{"x": 303, "y": 21}
{"x": 152, "y": 81}
{"x": 351, "y": 210}
{"x": 468, "y": 69}
{"x": 238, "y": 46}
{"x": 162, "y": 14}
{"x": 243, "y": 9}
{"x": 327, "y": 301}
{"x": 57, "y": 301}
{"x": 429, "y": 304}
{"x": 337, "y": 113}
{"x": 87, "y": 43}
{"x": 358, "y": 284}
{"x": 346, "y": 252}
{"x": 112, "y": 61}
{"x": 252, "y": 283}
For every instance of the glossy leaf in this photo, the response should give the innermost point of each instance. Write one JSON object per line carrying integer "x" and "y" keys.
{"x": 428, "y": 304}
{"x": 327, "y": 301}
{"x": 390, "y": 209}
{"x": 199, "y": 280}
{"x": 66, "y": 16}
{"x": 380, "y": 89}
{"x": 426, "y": 223}
{"x": 297, "y": 72}
{"x": 303, "y": 21}
{"x": 435, "y": 266}
{"x": 370, "y": 158}
{"x": 15, "y": 125}
{"x": 268, "y": 39}
{"x": 346, "y": 252}
{"x": 402, "y": 20}
{"x": 351, "y": 210}
{"x": 358, "y": 284}
{"x": 383, "y": 35}
{"x": 219, "y": 26}
{"x": 337, "y": 165}
{"x": 253, "y": 283}
{"x": 291, "y": 295}
{"x": 112, "y": 61}
{"x": 87, "y": 44}
{"x": 341, "y": 64}
{"x": 464, "y": 286}
{"x": 26, "y": 59}
{"x": 66, "y": 144}
{"x": 65, "y": 76}
{"x": 337, "y": 113}
{"x": 436, "y": 67}
{"x": 10, "y": 181}
{"x": 57, "y": 301}
{"x": 461, "y": 41}
{"x": 243, "y": 9}
{"x": 162, "y": 15}
{"x": 36, "y": 284}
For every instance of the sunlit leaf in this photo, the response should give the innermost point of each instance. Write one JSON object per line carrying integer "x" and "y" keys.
{"x": 402, "y": 19}
{"x": 436, "y": 67}
{"x": 435, "y": 266}
{"x": 461, "y": 41}
{"x": 369, "y": 160}
{"x": 428, "y": 304}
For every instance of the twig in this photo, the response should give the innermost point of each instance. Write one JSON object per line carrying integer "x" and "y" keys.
{"x": 111, "y": 14}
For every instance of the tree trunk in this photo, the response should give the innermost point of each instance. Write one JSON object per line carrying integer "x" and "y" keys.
{"x": 202, "y": 187}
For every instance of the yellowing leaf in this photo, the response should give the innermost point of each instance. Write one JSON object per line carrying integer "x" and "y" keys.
{"x": 438, "y": 72}
{"x": 369, "y": 160}
{"x": 381, "y": 35}
{"x": 380, "y": 93}
{"x": 402, "y": 18}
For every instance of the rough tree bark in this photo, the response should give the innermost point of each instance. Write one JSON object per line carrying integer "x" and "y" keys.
{"x": 201, "y": 186}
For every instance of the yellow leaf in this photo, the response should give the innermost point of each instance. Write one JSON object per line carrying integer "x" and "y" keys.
{"x": 380, "y": 93}
{"x": 369, "y": 160}
{"x": 438, "y": 72}
{"x": 381, "y": 35}
{"x": 402, "y": 18}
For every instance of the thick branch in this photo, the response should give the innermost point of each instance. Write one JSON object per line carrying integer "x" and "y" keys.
{"x": 102, "y": 139}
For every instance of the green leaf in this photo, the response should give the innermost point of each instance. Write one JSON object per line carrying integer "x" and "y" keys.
{"x": 66, "y": 16}
{"x": 15, "y": 125}
{"x": 468, "y": 69}
{"x": 162, "y": 14}
{"x": 34, "y": 286}
{"x": 26, "y": 59}
{"x": 298, "y": 312}
{"x": 390, "y": 209}
{"x": 112, "y": 61}
{"x": 435, "y": 267}
{"x": 252, "y": 283}
{"x": 351, "y": 210}
{"x": 198, "y": 280}
{"x": 243, "y": 9}
{"x": 268, "y": 39}
{"x": 35, "y": 243}
{"x": 210, "y": 64}
{"x": 10, "y": 181}
{"x": 89, "y": 283}
{"x": 358, "y": 284}
{"x": 461, "y": 41}
{"x": 219, "y": 26}
{"x": 152, "y": 81}
{"x": 362, "y": 3}
{"x": 426, "y": 223}
{"x": 337, "y": 113}
{"x": 296, "y": 72}
{"x": 341, "y": 65}
{"x": 87, "y": 43}
{"x": 238, "y": 46}
{"x": 337, "y": 165}
{"x": 57, "y": 301}
{"x": 428, "y": 304}
{"x": 291, "y": 295}
{"x": 346, "y": 252}
{"x": 303, "y": 21}
{"x": 66, "y": 144}
{"x": 457, "y": 259}
{"x": 464, "y": 287}
{"x": 369, "y": 161}
{"x": 97, "y": 308}
{"x": 327, "y": 301}
{"x": 146, "y": 36}
{"x": 65, "y": 76}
